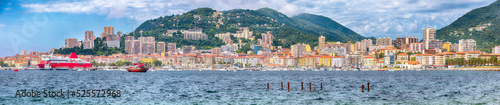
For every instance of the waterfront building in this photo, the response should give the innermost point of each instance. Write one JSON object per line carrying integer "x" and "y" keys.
{"x": 368, "y": 61}
{"x": 402, "y": 58}
{"x": 354, "y": 60}
{"x": 325, "y": 61}
{"x": 389, "y": 59}
{"x": 465, "y": 45}
{"x": 291, "y": 61}
{"x": 307, "y": 62}
{"x": 413, "y": 65}
{"x": 472, "y": 54}
{"x": 337, "y": 61}
{"x": 428, "y": 60}
{"x": 439, "y": 59}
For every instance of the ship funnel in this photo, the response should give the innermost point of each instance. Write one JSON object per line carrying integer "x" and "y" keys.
{"x": 73, "y": 55}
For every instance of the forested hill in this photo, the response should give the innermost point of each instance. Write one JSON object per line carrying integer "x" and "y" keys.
{"x": 481, "y": 24}
{"x": 303, "y": 28}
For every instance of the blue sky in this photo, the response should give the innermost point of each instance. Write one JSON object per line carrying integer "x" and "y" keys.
{"x": 39, "y": 25}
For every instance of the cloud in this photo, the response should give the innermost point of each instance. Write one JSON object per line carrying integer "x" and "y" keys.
{"x": 377, "y": 18}
{"x": 2, "y": 25}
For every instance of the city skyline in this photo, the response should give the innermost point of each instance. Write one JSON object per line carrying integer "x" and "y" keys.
{"x": 58, "y": 20}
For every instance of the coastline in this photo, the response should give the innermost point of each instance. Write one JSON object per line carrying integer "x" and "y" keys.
{"x": 488, "y": 68}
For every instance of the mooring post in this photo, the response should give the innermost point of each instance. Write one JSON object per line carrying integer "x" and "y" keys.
{"x": 302, "y": 85}
{"x": 368, "y": 86}
{"x": 268, "y": 86}
{"x": 281, "y": 85}
{"x": 321, "y": 85}
{"x": 288, "y": 86}
{"x": 362, "y": 88}
{"x": 310, "y": 88}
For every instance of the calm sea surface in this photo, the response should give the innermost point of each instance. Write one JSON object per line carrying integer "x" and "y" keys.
{"x": 245, "y": 87}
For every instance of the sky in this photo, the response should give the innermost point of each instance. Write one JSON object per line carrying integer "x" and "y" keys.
{"x": 39, "y": 25}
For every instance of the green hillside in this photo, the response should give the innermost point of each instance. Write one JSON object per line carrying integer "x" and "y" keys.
{"x": 304, "y": 28}
{"x": 481, "y": 24}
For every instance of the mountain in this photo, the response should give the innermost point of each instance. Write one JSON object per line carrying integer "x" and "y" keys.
{"x": 315, "y": 24}
{"x": 303, "y": 28}
{"x": 481, "y": 24}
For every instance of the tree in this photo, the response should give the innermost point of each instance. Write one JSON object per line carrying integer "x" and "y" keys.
{"x": 398, "y": 62}
{"x": 12, "y": 65}
{"x": 157, "y": 62}
{"x": 493, "y": 60}
{"x": 413, "y": 59}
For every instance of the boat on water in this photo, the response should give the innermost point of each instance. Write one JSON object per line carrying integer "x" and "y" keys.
{"x": 58, "y": 63}
{"x": 138, "y": 68}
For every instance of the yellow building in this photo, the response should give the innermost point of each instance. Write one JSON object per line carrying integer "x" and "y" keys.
{"x": 308, "y": 48}
{"x": 147, "y": 59}
{"x": 325, "y": 61}
{"x": 446, "y": 45}
{"x": 307, "y": 62}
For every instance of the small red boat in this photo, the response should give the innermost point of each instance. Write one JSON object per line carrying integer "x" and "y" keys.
{"x": 139, "y": 68}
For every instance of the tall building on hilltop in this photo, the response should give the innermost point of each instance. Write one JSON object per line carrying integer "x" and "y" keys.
{"x": 268, "y": 37}
{"x": 72, "y": 42}
{"x": 88, "y": 42}
{"x": 194, "y": 34}
{"x": 429, "y": 35}
{"x": 89, "y": 35}
{"x": 321, "y": 42}
{"x": 109, "y": 30}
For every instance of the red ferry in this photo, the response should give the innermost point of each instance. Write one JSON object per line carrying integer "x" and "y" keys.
{"x": 72, "y": 62}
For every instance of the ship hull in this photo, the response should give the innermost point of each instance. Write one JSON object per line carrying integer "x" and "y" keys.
{"x": 137, "y": 69}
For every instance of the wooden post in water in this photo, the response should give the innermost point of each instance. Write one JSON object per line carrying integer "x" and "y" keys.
{"x": 368, "y": 86}
{"x": 310, "y": 88}
{"x": 281, "y": 85}
{"x": 288, "y": 86}
{"x": 268, "y": 86}
{"x": 362, "y": 88}
{"x": 302, "y": 85}
{"x": 321, "y": 85}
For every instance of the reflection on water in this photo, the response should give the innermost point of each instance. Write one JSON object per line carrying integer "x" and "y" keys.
{"x": 215, "y": 87}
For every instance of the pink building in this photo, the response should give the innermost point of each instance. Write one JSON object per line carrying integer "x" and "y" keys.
{"x": 417, "y": 47}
